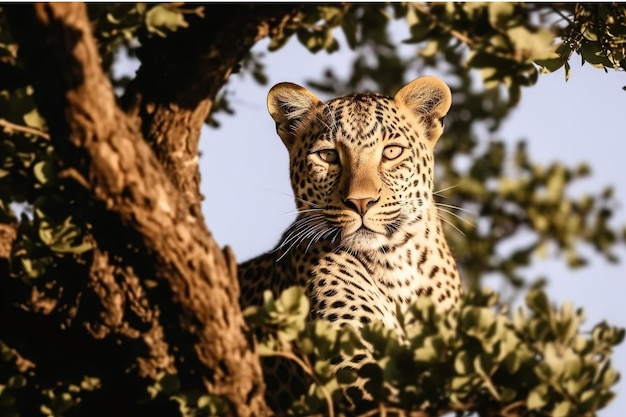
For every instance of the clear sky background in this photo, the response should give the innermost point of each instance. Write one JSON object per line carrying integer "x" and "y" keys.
{"x": 249, "y": 201}
{"x": 248, "y": 198}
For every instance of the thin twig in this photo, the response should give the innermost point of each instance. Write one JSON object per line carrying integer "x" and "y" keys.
{"x": 327, "y": 397}
{"x": 308, "y": 369}
{"x": 10, "y": 127}
{"x": 509, "y": 408}
{"x": 560, "y": 13}
{"x": 455, "y": 33}
{"x": 297, "y": 360}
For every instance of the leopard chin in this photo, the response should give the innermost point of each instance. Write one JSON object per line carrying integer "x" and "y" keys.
{"x": 364, "y": 240}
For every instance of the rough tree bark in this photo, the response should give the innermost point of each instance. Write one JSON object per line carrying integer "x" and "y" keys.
{"x": 181, "y": 74}
{"x": 170, "y": 273}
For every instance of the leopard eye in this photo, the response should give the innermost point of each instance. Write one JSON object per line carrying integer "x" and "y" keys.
{"x": 392, "y": 151}
{"x": 329, "y": 156}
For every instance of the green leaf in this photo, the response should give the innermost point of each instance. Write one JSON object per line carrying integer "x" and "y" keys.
{"x": 371, "y": 371}
{"x": 426, "y": 353}
{"x": 266, "y": 348}
{"x": 512, "y": 362}
{"x": 16, "y": 382}
{"x": 532, "y": 46}
{"x": 323, "y": 369}
{"x": 349, "y": 28}
{"x": 550, "y": 65}
{"x": 537, "y": 398}
{"x": 537, "y": 301}
{"x": 463, "y": 363}
{"x": 44, "y": 171}
{"x": 500, "y": 14}
{"x": 165, "y": 18}
{"x": 562, "y": 409}
{"x": 507, "y": 395}
{"x": 431, "y": 49}
{"x": 33, "y": 119}
{"x": 593, "y": 52}
{"x": 63, "y": 238}
{"x": 291, "y": 299}
{"x": 169, "y": 383}
{"x": 419, "y": 26}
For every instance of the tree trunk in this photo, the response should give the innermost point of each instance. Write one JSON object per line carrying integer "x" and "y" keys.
{"x": 155, "y": 278}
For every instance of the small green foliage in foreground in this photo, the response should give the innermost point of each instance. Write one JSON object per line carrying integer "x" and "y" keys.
{"x": 536, "y": 361}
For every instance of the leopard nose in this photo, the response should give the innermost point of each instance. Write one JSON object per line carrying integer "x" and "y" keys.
{"x": 360, "y": 205}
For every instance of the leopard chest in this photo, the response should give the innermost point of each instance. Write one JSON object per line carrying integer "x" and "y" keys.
{"x": 357, "y": 288}
{"x": 420, "y": 269}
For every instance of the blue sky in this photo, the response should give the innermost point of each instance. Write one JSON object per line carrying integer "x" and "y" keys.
{"x": 249, "y": 202}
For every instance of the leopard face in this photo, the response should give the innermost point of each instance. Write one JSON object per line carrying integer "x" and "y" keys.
{"x": 361, "y": 165}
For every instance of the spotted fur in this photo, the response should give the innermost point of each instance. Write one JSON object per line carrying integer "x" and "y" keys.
{"x": 367, "y": 238}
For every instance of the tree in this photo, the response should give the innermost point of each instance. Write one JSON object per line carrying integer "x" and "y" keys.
{"x": 111, "y": 286}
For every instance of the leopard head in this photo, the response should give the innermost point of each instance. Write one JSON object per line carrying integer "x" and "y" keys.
{"x": 361, "y": 165}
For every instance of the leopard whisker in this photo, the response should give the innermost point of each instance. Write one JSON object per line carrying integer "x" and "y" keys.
{"x": 317, "y": 237}
{"x": 299, "y": 238}
{"x": 452, "y": 213}
{"x": 308, "y": 202}
{"x": 312, "y": 204}
{"x": 311, "y": 210}
{"x": 298, "y": 227}
{"x": 390, "y": 228}
{"x": 303, "y": 224}
{"x": 309, "y": 228}
{"x": 456, "y": 208}
{"x": 443, "y": 219}
{"x": 437, "y": 207}
{"x": 421, "y": 203}
{"x": 438, "y": 192}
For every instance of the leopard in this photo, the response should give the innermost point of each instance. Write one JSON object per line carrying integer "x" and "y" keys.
{"x": 367, "y": 240}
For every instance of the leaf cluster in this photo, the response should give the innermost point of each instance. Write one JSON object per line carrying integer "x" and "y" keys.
{"x": 509, "y": 43}
{"x": 597, "y": 32}
{"x": 15, "y": 377}
{"x": 121, "y": 25}
{"x": 165, "y": 393}
{"x": 33, "y": 188}
{"x": 538, "y": 360}
{"x": 509, "y": 195}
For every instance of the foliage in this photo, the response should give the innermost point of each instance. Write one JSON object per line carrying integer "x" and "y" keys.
{"x": 510, "y": 43}
{"x": 537, "y": 359}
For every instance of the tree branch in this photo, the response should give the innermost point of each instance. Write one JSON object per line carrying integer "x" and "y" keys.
{"x": 12, "y": 127}
{"x": 96, "y": 138}
{"x": 181, "y": 74}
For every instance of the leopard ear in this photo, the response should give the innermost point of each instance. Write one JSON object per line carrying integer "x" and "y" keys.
{"x": 429, "y": 99}
{"x": 291, "y": 106}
